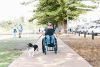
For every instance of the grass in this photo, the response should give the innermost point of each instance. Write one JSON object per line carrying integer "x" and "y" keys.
{"x": 10, "y": 49}
{"x": 6, "y": 57}
{"x": 89, "y": 49}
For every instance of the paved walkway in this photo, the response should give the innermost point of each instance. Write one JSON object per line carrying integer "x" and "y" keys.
{"x": 65, "y": 57}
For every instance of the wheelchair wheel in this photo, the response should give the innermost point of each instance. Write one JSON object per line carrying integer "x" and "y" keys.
{"x": 55, "y": 47}
{"x": 43, "y": 46}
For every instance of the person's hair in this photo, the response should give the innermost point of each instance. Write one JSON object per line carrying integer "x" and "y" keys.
{"x": 49, "y": 23}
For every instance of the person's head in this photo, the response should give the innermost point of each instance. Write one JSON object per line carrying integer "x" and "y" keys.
{"x": 50, "y": 25}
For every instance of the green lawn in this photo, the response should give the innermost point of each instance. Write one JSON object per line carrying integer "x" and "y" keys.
{"x": 10, "y": 49}
{"x": 6, "y": 57}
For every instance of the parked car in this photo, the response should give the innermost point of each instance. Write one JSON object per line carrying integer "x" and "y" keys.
{"x": 82, "y": 29}
{"x": 94, "y": 29}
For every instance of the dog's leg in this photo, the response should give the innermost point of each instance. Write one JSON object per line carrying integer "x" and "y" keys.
{"x": 29, "y": 53}
{"x": 32, "y": 54}
{"x": 37, "y": 49}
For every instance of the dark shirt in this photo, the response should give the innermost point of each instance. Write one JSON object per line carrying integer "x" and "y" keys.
{"x": 49, "y": 31}
{"x": 14, "y": 30}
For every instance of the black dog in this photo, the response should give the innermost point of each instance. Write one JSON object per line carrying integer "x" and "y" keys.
{"x": 30, "y": 45}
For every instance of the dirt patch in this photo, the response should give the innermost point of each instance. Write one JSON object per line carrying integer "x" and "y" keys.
{"x": 86, "y": 47}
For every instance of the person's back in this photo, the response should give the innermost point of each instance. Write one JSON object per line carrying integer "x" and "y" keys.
{"x": 20, "y": 28}
{"x": 14, "y": 31}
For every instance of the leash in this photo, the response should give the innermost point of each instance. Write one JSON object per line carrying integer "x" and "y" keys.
{"x": 37, "y": 39}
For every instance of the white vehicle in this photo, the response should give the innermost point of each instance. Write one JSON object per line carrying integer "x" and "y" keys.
{"x": 97, "y": 30}
{"x": 82, "y": 29}
{"x": 94, "y": 29}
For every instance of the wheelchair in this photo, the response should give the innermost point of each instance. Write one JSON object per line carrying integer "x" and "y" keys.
{"x": 46, "y": 47}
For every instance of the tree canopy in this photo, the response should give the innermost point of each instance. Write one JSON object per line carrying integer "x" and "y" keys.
{"x": 57, "y": 11}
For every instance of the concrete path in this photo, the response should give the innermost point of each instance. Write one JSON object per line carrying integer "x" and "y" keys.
{"x": 65, "y": 57}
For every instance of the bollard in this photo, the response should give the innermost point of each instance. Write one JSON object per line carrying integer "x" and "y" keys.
{"x": 84, "y": 34}
{"x": 79, "y": 33}
{"x": 75, "y": 33}
{"x": 92, "y": 35}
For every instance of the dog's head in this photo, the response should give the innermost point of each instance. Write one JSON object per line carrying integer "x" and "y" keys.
{"x": 30, "y": 45}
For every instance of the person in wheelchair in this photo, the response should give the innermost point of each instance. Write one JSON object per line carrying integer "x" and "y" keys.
{"x": 49, "y": 34}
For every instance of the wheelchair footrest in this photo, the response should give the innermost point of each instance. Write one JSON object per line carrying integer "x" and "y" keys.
{"x": 50, "y": 50}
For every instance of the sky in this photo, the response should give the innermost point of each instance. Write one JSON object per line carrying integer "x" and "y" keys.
{"x": 12, "y": 9}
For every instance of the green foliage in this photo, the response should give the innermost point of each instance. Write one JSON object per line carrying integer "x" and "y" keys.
{"x": 6, "y": 24}
{"x": 57, "y": 10}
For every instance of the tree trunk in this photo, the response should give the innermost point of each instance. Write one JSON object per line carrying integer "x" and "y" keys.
{"x": 65, "y": 26}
